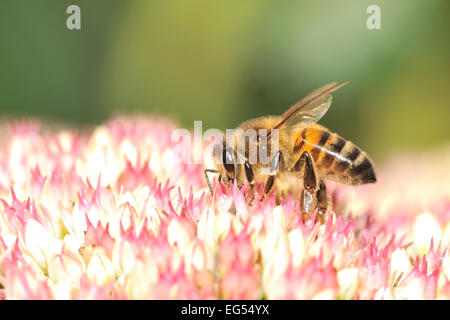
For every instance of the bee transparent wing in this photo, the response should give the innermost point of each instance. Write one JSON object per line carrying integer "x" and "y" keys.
{"x": 310, "y": 113}
{"x": 311, "y": 108}
{"x": 308, "y": 97}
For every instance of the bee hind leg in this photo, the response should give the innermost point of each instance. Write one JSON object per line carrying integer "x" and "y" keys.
{"x": 322, "y": 203}
{"x": 314, "y": 194}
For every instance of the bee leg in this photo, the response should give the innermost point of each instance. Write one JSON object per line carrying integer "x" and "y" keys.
{"x": 252, "y": 195}
{"x": 251, "y": 180}
{"x": 308, "y": 203}
{"x": 207, "y": 178}
{"x": 275, "y": 164}
{"x": 308, "y": 200}
{"x": 278, "y": 199}
{"x": 268, "y": 187}
{"x": 322, "y": 203}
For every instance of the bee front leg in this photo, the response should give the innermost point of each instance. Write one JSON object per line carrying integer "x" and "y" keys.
{"x": 309, "y": 198}
{"x": 207, "y": 179}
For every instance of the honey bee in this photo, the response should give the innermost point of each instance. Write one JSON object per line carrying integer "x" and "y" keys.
{"x": 305, "y": 155}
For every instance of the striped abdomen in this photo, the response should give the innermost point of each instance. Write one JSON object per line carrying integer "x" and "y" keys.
{"x": 336, "y": 158}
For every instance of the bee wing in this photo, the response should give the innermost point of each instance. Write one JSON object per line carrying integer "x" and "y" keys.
{"x": 308, "y": 97}
{"x": 311, "y": 108}
{"x": 311, "y": 113}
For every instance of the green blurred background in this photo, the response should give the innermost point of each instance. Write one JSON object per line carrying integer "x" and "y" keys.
{"x": 226, "y": 61}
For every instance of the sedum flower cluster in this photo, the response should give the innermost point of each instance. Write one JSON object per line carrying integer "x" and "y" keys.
{"x": 115, "y": 213}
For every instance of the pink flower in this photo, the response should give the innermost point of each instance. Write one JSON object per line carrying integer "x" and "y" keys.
{"x": 22, "y": 278}
{"x": 312, "y": 280}
{"x": 117, "y": 213}
{"x": 239, "y": 275}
